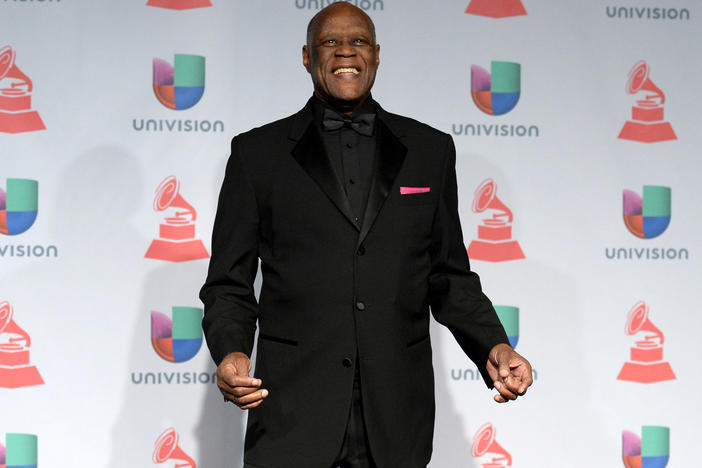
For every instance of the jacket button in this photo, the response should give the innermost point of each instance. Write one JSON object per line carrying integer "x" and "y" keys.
{"x": 361, "y": 251}
{"x": 347, "y": 362}
{"x": 360, "y": 306}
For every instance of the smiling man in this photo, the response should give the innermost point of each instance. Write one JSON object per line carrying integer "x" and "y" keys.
{"x": 353, "y": 214}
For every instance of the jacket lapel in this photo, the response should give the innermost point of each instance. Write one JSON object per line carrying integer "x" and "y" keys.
{"x": 310, "y": 154}
{"x": 390, "y": 154}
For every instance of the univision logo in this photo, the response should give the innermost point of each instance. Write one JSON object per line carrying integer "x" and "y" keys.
{"x": 648, "y": 216}
{"x": 19, "y": 205}
{"x": 651, "y": 450}
{"x": 509, "y": 318}
{"x": 19, "y": 451}
{"x": 175, "y": 339}
{"x": 181, "y": 85}
{"x": 179, "y": 339}
{"x": 496, "y": 92}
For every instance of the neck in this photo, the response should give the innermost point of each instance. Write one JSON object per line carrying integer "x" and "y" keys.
{"x": 343, "y": 107}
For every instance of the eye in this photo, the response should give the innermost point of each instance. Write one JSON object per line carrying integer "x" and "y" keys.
{"x": 359, "y": 42}
{"x": 329, "y": 42}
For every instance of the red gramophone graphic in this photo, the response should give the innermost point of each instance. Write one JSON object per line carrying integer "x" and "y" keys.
{"x": 179, "y": 4}
{"x": 484, "y": 443}
{"x": 496, "y": 8}
{"x": 495, "y": 242}
{"x": 176, "y": 242}
{"x": 15, "y": 370}
{"x": 646, "y": 365}
{"x": 647, "y": 124}
{"x": 166, "y": 448}
{"x": 16, "y": 114}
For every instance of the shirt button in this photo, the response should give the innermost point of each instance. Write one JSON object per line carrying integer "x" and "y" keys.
{"x": 361, "y": 251}
{"x": 351, "y": 181}
{"x": 347, "y": 362}
{"x": 360, "y": 306}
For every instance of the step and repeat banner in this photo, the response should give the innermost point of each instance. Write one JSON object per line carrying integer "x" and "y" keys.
{"x": 578, "y": 166}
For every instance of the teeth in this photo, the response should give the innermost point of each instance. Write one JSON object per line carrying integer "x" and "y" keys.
{"x": 346, "y": 70}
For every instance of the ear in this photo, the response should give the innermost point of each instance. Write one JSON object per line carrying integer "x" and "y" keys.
{"x": 306, "y": 58}
{"x": 377, "y": 55}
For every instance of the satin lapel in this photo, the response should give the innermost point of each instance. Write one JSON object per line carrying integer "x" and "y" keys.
{"x": 309, "y": 153}
{"x": 390, "y": 155}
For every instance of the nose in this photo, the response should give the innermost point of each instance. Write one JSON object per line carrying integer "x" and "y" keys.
{"x": 345, "y": 49}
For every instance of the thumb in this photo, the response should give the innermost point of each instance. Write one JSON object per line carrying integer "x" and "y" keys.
{"x": 503, "y": 364}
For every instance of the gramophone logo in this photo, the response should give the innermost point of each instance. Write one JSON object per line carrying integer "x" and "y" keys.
{"x": 15, "y": 369}
{"x": 496, "y": 92}
{"x": 647, "y": 124}
{"x": 496, "y": 8}
{"x": 19, "y": 451}
{"x": 16, "y": 114}
{"x": 486, "y": 448}
{"x": 509, "y": 318}
{"x": 646, "y": 364}
{"x": 167, "y": 448}
{"x": 19, "y": 205}
{"x": 177, "y": 241}
{"x": 179, "y": 4}
{"x": 651, "y": 450}
{"x": 182, "y": 85}
{"x": 494, "y": 243}
{"x": 648, "y": 216}
{"x": 177, "y": 340}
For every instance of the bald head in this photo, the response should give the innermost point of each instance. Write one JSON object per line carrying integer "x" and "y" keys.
{"x": 329, "y": 10}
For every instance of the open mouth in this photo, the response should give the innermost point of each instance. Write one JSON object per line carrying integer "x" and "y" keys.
{"x": 351, "y": 70}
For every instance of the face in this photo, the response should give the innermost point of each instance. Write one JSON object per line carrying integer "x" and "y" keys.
{"x": 342, "y": 57}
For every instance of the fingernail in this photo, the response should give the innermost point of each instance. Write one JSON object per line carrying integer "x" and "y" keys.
{"x": 257, "y": 382}
{"x": 264, "y": 393}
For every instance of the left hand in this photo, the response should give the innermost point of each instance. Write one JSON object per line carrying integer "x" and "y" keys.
{"x": 510, "y": 372}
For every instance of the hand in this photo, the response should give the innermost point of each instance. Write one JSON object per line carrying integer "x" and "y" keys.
{"x": 235, "y": 384}
{"x": 510, "y": 372}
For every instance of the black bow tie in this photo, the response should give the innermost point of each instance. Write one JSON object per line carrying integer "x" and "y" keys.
{"x": 362, "y": 123}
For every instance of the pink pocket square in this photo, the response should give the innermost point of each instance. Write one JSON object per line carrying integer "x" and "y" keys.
{"x": 411, "y": 190}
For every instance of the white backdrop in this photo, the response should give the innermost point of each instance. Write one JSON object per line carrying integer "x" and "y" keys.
{"x": 87, "y": 302}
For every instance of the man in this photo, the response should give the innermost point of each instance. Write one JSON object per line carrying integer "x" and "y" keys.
{"x": 353, "y": 214}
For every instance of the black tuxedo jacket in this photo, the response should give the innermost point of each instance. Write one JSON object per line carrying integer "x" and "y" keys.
{"x": 333, "y": 293}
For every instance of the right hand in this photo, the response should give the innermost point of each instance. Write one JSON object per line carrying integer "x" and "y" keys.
{"x": 235, "y": 384}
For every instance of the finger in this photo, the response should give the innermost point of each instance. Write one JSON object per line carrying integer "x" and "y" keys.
{"x": 498, "y": 398}
{"x": 505, "y": 392}
{"x": 251, "y": 398}
{"x": 252, "y": 405}
{"x": 504, "y": 367}
{"x": 240, "y": 381}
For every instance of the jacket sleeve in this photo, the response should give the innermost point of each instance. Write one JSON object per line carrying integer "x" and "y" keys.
{"x": 456, "y": 297}
{"x": 231, "y": 309}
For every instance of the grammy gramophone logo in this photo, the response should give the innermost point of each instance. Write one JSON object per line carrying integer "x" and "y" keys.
{"x": 16, "y": 114}
{"x": 166, "y": 449}
{"x": 650, "y": 450}
{"x": 496, "y": 8}
{"x": 647, "y": 123}
{"x": 19, "y": 451}
{"x": 646, "y": 364}
{"x": 176, "y": 241}
{"x": 488, "y": 450}
{"x": 494, "y": 243}
{"x": 15, "y": 368}
{"x": 179, "y": 4}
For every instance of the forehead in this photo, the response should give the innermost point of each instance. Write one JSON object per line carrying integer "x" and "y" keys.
{"x": 343, "y": 20}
